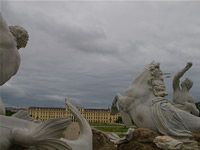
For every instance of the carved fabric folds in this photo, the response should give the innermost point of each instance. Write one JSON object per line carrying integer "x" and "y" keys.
{"x": 167, "y": 120}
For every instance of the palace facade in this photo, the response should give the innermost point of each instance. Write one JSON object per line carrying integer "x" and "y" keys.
{"x": 91, "y": 115}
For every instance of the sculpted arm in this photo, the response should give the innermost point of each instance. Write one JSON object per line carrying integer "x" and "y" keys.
{"x": 179, "y": 74}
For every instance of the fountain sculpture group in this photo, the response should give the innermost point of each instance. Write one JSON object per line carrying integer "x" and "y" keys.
{"x": 144, "y": 103}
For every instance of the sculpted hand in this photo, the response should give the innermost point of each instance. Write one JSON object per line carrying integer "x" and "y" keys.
{"x": 189, "y": 65}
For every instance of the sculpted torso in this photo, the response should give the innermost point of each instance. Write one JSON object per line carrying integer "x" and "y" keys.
{"x": 185, "y": 101}
{"x": 182, "y": 97}
{"x": 9, "y": 55}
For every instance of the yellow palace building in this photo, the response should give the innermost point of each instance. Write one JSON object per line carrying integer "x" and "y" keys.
{"x": 91, "y": 115}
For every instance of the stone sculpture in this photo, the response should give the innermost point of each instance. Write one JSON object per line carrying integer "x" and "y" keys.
{"x": 169, "y": 143}
{"x": 20, "y": 129}
{"x": 117, "y": 140}
{"x": 145, "y": 104}
{"x": 182, "y": 98}
{"x": 9, "y": 46}
{"x": 22, "y": 132}
{"x": 142, "y": 139}
{"x": 84, "y": 142}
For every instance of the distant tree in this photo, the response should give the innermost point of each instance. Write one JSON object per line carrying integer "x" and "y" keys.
{"x": 9, "y": 113}
{"x": 119, "y": 120}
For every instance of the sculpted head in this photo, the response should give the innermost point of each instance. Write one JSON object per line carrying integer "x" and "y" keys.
{"x": 187, "y": 83}
{"x": 20, "y": 35}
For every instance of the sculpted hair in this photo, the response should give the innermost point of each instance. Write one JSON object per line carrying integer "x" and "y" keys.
{"x": 156, "y": 81}
{"x": 20, "y": 36}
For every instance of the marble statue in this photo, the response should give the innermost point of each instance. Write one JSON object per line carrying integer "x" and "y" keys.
{"x": 145, "y": 105}
{"x": 11, "y": 40}
{"x": 182, "y": 98}
{"x": 128, "y": 136}
{"x": 23, "y": 132}
{"x": 84, "y": 142}
{"x": 20, "y": 129}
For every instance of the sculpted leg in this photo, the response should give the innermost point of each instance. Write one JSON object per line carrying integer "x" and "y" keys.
{"x": 126, "y": 118}
{"x": 124, "y": 103}
{"x": 114, "y": 109}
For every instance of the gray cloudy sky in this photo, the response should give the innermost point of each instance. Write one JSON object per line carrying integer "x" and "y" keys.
{"x": 89, "y": 51}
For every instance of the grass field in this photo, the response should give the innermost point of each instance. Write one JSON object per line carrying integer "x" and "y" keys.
{"x": 112, "y": 129}
{"x": 106, "y": 127}
{"x": 104, "y": 124}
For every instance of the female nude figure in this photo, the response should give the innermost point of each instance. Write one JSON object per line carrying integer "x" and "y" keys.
{"x": 181, "y": 96}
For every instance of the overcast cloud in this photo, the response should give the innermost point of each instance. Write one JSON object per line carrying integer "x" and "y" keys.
{"x": 89, "y": 51}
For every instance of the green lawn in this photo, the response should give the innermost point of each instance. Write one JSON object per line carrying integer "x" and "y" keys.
{"x": 9, "y": 113}
{"x": 104, "y": 124}
{"x": 112, "y": 129}
{"x": 121, "y": 135}
{"x": 106, "y": 127}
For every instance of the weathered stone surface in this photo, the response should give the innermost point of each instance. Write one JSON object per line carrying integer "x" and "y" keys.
{"x": 197, "y": 138}
{"x": 166, "y": 142}
{"x": 101, "y": 141}
{"x": 142, "y": 140}
{"x": 144, "y": 135}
